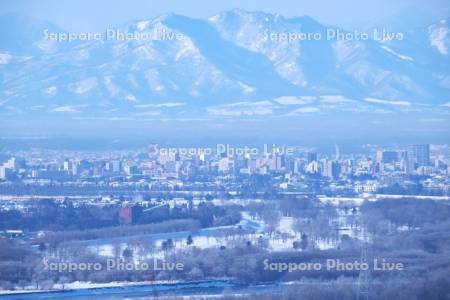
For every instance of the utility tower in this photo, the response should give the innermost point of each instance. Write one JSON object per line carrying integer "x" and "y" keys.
{"x": 363, "y": 279}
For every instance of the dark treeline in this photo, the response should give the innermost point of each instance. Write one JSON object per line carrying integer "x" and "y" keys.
{"x": 411, "y": 213}
{"x": 48, "y": 214}
{"x": 56, "y": 237}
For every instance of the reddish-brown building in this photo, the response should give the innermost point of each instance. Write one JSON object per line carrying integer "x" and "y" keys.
{"x": 126, "y": 214}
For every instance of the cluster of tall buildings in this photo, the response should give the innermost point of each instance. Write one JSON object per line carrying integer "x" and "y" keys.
{"x": 10, "y": 167}
{"x": 365, "y": 172}
{"x": 416, "y": 157}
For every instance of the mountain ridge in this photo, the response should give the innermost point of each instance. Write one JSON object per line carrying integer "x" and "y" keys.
{"x": 223, "y": 67}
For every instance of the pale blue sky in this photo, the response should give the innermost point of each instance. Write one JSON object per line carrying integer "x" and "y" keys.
{"x": 79, "y": 15}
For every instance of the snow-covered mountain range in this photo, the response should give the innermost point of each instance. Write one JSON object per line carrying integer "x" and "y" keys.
{"x": 232, "y": 65}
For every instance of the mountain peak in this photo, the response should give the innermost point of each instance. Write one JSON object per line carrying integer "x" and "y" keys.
{"x": 20, "y": 34}
{"x": 219, "y": 61}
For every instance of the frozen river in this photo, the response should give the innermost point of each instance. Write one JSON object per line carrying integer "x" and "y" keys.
{"x": 216, "y": 287}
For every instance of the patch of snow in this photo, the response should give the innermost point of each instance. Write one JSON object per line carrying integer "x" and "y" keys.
{"x": 286, "y": 225}
{"x": 146, "y": 52}
{"x": 150, "y": 113}
{"x": 51, "y": 90}
{"x": 290, "y": 70}
{"x": 112, "y": 88}
{"x": 242, "y": 109}
{"x": 389, "y": 102}
{"x": 246, "y": 89}
{"x": 130, "y": 98}
{"x": 292, "y": 100}
{"x": 346, "y": 51}
{"x": 5, "y": 58}
{"x": 166, "y": 104}
{"x": 152, "y": 77}
{"x": 69, "y": 109}
{"x": 83, "y": 86}
{"x": 47, "y": 46}
{"x": 214, "y": 18}
{"x": 133, "y": 81}
{"x": 335, "y": 99}
{"x": 142, "y": 25}
{"x": 188, "y": 49}
{"x": 439, "y": 38}
{"x": 304, "y": 110}
{"x": 404, "y": 57}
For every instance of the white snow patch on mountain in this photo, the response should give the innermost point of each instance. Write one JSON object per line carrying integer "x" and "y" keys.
{"x": 142, "y": 25}
{"x": 152, "y": 77}
{"x": 246, "y": 89}
{"x": 47, "y": 46}
{"x": 51, "y": 90}
{"x": 5, "y": 58}
{"x": 214, "y": 18}
{"x": 132, "y": 80}
{"x": 130, "y": 98}
{"x": 166, "y": 104}
{"x": 146, "y": 52}
{"x": 304, "y": 110}
{"x": 334, "y": 99}
{"x": 292, "y": 72}
{"x": 404, "y": 57}
{"x": 83, "y": 86}
{"x": 292, "y": 100}
{"x": 150, "y": 113}
{"x": 187, "y": 49}
{"x": 243, "y": 109}
{"x": 66, "y": 109}
{"x": 347, "y": 51}
{"x": 112, "y": 88}
{"x": 389, "y": 102}
{"x": 250, "y": 104}
{"x": 439, "y": 38}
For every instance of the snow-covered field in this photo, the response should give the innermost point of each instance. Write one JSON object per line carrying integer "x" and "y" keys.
{"x": 281, "y": 239}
